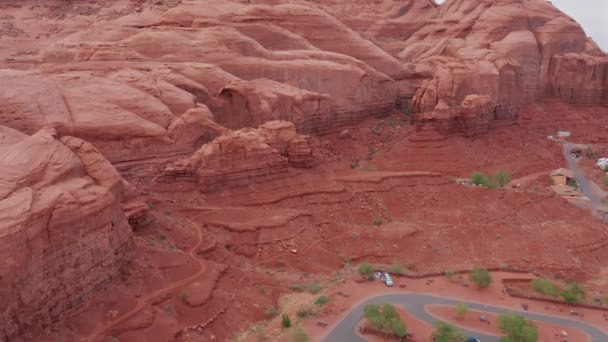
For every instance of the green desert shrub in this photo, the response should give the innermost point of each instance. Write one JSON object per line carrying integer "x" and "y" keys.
{"x": 573, "y": 293}
{"x": 480, "y": 179}
{"x": 461, "y": 310}
{"x": 445, "y": 332}
{"x": 481, "y": 277}
{"x": 397, "y": 268}
{"x": 517, "y": 328}
{"x": 365, "y": 269}
{"x": 385, "y": 318}
{"x": 545, "y": 286}
{"x": 322, "y": 300}
{"x": 285, "y": 321}
{"x": 502, "y": 178}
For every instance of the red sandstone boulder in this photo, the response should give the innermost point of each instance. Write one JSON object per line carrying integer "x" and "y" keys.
{"x": 243, "y": 157}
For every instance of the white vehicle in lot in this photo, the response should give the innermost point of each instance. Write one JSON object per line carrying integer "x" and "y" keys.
{"x": 387, "y": 279}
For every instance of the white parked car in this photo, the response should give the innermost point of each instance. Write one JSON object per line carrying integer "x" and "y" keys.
{"x": 387, "y": 279}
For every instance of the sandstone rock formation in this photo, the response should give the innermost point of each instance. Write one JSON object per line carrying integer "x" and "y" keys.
{"x": 120, "y": 73}
{"x": 63, "y": 233}
{"x": 513, "y": 51}
{"x": 150, "y": 79}
{"x": 243, "y": 157}
{"x": 237, "y": 159}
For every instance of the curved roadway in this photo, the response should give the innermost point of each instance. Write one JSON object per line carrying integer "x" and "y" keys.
{"x": 584, "y": 186}
{"x": 415, "y": 303}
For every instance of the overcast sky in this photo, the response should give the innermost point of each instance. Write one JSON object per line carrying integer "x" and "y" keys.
{"x": 591, "y": 14}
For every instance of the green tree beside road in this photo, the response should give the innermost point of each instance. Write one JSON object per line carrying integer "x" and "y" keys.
{"x": 385, "y": 318}
{"x": 445, "y": 332}
{"x": 517, "y": 328}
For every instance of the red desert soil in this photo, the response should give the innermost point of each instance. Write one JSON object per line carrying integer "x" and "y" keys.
{"x": 304, "y": 229}
{"x": 170, "y": 170}
{"x": 546, "y": 331}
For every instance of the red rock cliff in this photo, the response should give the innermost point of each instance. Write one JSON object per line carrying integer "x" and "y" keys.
{"x": 63, "y": 234}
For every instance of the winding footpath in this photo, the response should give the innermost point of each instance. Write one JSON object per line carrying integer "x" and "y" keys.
{"x": 415, "y": 304}
{"x": 148, "y": 299}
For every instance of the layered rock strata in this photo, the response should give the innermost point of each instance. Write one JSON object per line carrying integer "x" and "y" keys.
{"x": 243, "y": 157}
{"x": 63, "y": 233}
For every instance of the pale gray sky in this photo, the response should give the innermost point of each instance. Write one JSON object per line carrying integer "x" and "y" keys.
{"x": 591, "y": 14}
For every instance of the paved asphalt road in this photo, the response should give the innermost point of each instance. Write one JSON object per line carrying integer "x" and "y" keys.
{"x": 583, "y": 183}
{"x": 415, "y": 303}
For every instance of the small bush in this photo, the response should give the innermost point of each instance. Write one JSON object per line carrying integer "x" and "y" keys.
{"x": 573, "y": 293}
{"x": 298, "y": 335}
{"x": 298, "y": 287}
{"x": 481, "y": 277}
{"x": 448, "y": 274}
{"x": 378, "y": 222}
{"x": 285, "y": 321}
{"x": 502, "y": 178}
{"x": 305, "y": 311}
{"x": 545, "y": 286}
{"x": 445, "y": 332}
{"x": 373, "y": 151}
{"x": 572, "y": 183}
{"x": 410, "y": 265}
{"x": 354, "y": 164}
{"x": 270, "y": 311}
{"x": 314, "y": 288}
{"x": 322, "y": 300}
{"x": 605, "y": 180}
{"x": 590, "y": 153}
{"x": 461, "y": 310}
{"x": 184, "y": 296}
{"x": 605, "y": 168}
{"x": 397, "y": 269}
{"x": 479, "y": 179}
{"x": 365, "y": 269}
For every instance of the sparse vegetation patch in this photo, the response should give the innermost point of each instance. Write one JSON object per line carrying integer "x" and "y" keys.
{"x": 481, "y": 277}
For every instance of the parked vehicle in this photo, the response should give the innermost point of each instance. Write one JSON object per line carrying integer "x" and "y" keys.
{"x": 387, "y": 279}
{"x": 471, "y": 339}
{"x": 376, "y": 275}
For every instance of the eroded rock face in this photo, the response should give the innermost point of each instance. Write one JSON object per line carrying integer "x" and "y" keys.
{"x": 579, "y": 78}
{"x": 121, "y": 73}
{"x": 503, "y": 49}
{"x": 63, "y": 233}
{"x": 243, "y": 157}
